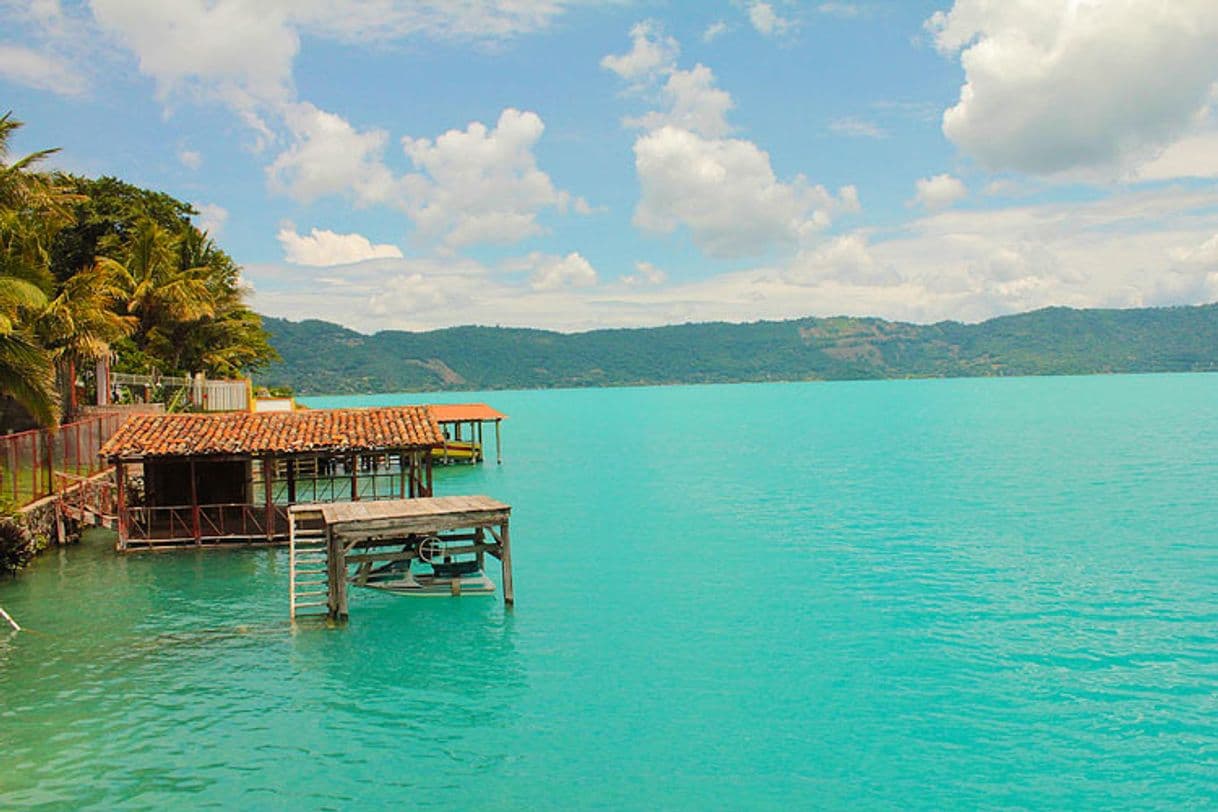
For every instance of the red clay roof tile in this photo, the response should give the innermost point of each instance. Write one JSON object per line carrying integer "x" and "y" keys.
{"x": 325, "y": 430}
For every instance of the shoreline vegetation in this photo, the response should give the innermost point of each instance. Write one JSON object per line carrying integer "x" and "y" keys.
{"x": 98, "y": 269}
{"x": 1051, "y": 341}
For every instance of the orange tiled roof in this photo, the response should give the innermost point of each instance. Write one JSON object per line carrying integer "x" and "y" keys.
{"x": 456, "y": 412}
{"x": 178, "y": 435}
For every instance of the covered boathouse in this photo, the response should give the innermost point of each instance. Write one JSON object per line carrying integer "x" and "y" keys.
{"x": 229, "y": 478}
{"x": 462, "y": 426}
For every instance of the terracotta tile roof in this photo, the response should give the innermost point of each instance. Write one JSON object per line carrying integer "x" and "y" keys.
{"x": 456, "y": 412}
{"x": 173, "y": 435}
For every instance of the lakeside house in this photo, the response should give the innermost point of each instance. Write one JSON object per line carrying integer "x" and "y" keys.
{"x": 194, "y": 479}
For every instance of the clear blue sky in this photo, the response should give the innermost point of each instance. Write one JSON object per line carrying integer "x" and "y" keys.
{"x": 571, "y": 165}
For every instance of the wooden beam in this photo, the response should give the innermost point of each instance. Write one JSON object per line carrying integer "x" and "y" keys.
{"x": 120, "y": 502}
{"x": 196, "y": 525}
{"x": 498, "y": 445}
{"x": 403, "y": 471}
{"x": 268, "y": 487}
{"x": 505, "y": 559}
{"x": 336, "y": 576}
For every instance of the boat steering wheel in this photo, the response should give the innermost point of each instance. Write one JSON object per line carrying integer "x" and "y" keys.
{"x": 430, "y": 549}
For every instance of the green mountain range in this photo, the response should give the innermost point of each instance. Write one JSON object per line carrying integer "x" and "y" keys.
{"x": 320, "y": 357}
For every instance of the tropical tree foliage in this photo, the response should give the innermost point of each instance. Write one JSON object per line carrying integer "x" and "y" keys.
{"x": 98, "y": 268}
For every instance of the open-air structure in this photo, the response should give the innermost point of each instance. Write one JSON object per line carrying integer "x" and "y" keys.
{"x": 461, "y": 424}
{"x": 195, "y": 479}
{"x": 327, "y": 540}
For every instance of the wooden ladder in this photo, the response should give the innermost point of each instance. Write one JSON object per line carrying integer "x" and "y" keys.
{"x": 308, "y": 565}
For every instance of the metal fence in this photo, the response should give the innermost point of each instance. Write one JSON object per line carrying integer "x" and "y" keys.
{"x": 197, "y": 392}
{"x": 29, "y": 459}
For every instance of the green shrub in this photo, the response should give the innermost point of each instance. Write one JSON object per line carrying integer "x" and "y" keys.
{"x": 17, "y": 545}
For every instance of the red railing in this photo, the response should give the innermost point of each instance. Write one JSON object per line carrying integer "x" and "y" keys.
{"x": 177, "y": 522}
{"x": 29, "y": 459}
{"x": 81, "y": 495}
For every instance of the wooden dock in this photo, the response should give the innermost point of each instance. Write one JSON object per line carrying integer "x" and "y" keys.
{"x": 325, "y": 540}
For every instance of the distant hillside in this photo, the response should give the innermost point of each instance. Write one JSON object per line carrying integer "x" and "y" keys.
{"x": 319, "y": 357}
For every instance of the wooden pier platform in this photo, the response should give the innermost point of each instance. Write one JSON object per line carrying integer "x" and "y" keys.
{"x": 326, "y": 539}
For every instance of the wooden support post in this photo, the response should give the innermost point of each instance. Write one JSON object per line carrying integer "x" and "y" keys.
{"x": 404, "y": 467}
{"x": 480, "y": 455}
{"x": 268, "y": 486}
{"x": 430, "y": 480}
{"x": 479, "y": 539}
{"x": 505, "y": 560}
{"x": 291, "y": 480}
{"x": 498, "y": 445}
{"x": 11, "y": 448}
{"x": 354, "y": 477}
{"x": 336, "y": 577}
{"x": 48, "y": 484}
{"x": 196, "y": 524}
{"x": 120, "y": 504}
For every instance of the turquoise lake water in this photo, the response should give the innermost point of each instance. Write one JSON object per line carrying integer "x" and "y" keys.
{"x": 914, "y": 594}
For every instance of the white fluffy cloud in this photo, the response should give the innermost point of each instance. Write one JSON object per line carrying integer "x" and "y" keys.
{"x": 1194, "y": 156}
{"x": 244, "y": 49}
{"x": 1134, "y": 249}
{"x": 765, "y": 20}
{"x": 939, "y": 192}
{"x": 553, "y": 272}
{"x": 470, "y": 186}
{"x": 482, "y": 185}
{"x": 651, "y": 52}
{"x": 321, "y": 247}
{"x": 41, "y": 71}
{"x": 239, "y": 51}
{"x": 846, "y": 259}
{"x": 725, "y": 191}
{"x": 645, "y": 274}
{"x": 692, "y": 175}
{"x": 692, "y": 102}
{"x": 477, "y": 185}
{"x": 1060, "y": 85}
{"x": 329, "y": 157}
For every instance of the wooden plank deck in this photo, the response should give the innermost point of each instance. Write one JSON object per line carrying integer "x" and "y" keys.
{"x": 350, "y": 520}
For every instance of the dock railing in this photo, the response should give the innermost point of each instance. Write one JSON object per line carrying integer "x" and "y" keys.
{"x": 30, "y": 459}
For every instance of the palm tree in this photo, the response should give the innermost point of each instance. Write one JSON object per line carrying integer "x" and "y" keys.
{"x": 32, "y": 208}
{"x": 231, "y": 340}
{"x": 26, "y": 368}
{"x": 159, "y": 292}
{"x": 81, "y": 323}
